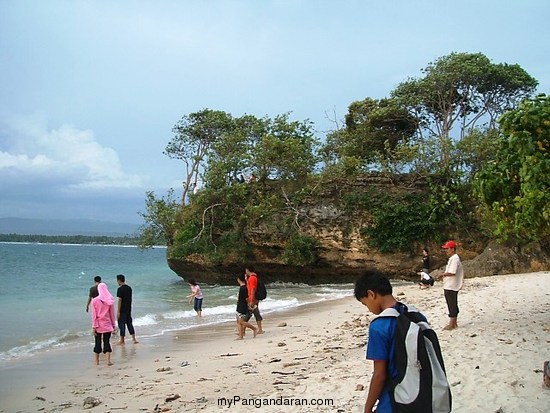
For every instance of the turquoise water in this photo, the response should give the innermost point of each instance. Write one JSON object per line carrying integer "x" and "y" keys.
{"x": 44, "y": 290}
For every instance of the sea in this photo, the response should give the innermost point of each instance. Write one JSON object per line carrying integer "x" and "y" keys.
{"x": 44, "y": 290}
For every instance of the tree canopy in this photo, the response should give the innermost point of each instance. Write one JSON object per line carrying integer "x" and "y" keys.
{"x": 441, "y": 128}
{"x": 460, "y": 92}
{"x": 515, "y": 186}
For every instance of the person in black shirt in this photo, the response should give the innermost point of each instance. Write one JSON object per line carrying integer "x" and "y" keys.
{"x": 425, "y": 260}
{"x": 243, "y": 312}
{"x": 124, "y": 313}
{"x": 426, "y": 280}
{"x": 93, "y": 291}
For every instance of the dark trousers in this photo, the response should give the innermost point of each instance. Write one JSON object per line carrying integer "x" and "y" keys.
{"x": 123, "y": 321}
{"x": 256, "y": 314}
{"x": 105, "y": 339}
{"x": 452, "y": 302}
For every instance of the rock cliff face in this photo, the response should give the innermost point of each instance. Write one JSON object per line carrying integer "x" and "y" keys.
{"x": 343, "y": 266}
{"x": 343, "y": 253}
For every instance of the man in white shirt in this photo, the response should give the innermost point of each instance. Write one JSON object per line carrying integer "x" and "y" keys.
{"x": 453, "y": 278}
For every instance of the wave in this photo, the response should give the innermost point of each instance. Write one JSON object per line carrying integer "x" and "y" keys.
{"x": 36, "y": 346}
{"x": 156, "y": 324}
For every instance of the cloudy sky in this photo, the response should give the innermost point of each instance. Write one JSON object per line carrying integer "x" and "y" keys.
{"x": 90, "y": 90}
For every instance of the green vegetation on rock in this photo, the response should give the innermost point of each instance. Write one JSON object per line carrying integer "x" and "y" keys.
{"x": 397, "y": 175}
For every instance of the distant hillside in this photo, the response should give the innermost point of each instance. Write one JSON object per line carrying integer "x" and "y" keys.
{"x": 28, "y": 226}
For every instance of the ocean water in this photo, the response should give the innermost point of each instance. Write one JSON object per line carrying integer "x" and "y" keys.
{"x": 44, "y": 290}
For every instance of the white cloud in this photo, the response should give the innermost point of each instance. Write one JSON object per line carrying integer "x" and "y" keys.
{"x": 69, "y": 158}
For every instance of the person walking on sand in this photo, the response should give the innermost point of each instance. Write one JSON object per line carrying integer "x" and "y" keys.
{"x": 103, "y": 322}
{"x": 374, "y": 290}
{"x": 124, "y": 312}
{"x": 453, "y": 278}
{"x": 243, "y": 312}
{"x": 195, "y": 296}
{"x": 252, "y": 285}
{"x": 93, "y": 291}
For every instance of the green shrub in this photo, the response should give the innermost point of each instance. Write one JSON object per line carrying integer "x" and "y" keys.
{"x": 300, "y": 250}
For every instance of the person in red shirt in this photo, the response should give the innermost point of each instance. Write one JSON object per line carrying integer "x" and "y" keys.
{"x": 252, "y": 285}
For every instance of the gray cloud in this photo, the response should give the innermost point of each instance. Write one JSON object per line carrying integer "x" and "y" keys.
{"x": 48, "y": 171}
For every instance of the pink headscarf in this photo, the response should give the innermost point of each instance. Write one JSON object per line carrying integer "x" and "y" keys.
{"x": 104, "y": 294}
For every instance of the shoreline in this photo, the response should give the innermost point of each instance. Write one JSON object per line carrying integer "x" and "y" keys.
{"x": 315, "y": 352}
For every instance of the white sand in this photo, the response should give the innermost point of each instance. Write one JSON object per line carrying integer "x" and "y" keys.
{"x": 494, "y": 359}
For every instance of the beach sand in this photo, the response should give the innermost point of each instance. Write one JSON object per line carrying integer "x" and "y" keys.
{"x": 494, "y": 360}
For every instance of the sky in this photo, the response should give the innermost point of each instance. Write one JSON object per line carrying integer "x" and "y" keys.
{"x": 90, "y": 90}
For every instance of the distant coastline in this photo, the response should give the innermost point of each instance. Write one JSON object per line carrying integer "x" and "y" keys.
{"x": 70, "y": 239}
{"x": 77, "y": 227}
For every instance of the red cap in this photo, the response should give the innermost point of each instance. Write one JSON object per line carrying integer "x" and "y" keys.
{"x": 449, "y": 244}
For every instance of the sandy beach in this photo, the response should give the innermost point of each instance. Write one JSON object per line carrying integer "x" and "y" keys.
{"x": 309, "y": 360}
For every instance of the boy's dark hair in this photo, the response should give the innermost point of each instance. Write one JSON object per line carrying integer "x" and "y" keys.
{"x": 97, "y": 279}
{"x": 121, "y": 277}
{"x": 250, "y": 268}
{"x": 241, "y": 277}
{"x": 372, "y": 280}
{"x": 192, "y": 281}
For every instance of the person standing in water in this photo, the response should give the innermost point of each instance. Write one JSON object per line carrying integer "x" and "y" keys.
{"x": 93, "y": 291}
{"x": 195, "y": 296}
{"x": 124, "y": 313}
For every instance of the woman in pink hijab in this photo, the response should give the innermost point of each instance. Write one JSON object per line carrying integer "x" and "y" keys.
{"x": 103, "y": 322}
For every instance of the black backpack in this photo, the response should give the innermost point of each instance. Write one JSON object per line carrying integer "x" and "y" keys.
{"x": 261, "y": 292}
{"x": 421, "y": 384}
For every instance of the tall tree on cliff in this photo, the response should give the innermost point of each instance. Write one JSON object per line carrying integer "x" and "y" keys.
{"x": 374, "y": 136}
{"x": 279, "y": 152}
{"x": 458, "y": 93}
{"x": 195, "y": 134}
{"x": 269, "y": 148}
{"x": 515, "y": 186}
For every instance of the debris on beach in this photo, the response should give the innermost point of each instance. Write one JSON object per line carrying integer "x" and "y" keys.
{"x": 172, "y": 397}
{"x": 91, "y": 402}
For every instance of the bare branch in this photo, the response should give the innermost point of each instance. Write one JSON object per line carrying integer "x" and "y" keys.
{"x": 199, "y": 235}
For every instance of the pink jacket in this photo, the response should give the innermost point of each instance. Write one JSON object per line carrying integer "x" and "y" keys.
{"x": 103, "y": 310}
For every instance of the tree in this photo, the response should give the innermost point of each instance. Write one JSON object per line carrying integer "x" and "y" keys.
{"x": 462, "y": 90}
{"x": 268, "y": 148}
{"x": 160, "y": 220}
{"x": 285, "y": 149}
{"x": 230, "y": 157}
{"x": 375, "y": 132}
{"x": 515, "y": 187}
{"x": 194, "y": 136}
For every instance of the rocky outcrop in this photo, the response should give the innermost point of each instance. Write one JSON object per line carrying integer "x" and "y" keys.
{"x": 502, "y": 259}
{"x": 343, "y": 266}
{"x": 343, "y": 252}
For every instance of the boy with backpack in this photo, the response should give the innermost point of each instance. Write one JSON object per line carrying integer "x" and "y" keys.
{"x": 408, "y": 375}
